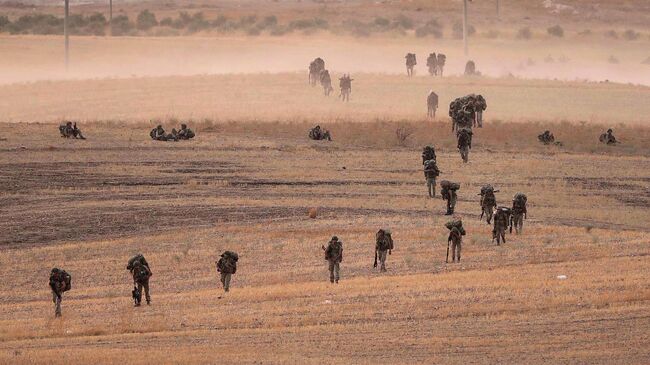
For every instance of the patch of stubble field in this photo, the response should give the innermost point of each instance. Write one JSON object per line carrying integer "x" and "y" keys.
{"x": 88, "y": 205}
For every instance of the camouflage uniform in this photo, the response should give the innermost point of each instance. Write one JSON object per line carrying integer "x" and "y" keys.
{"x": 481, "y": 105}
{"x": 608, "y": 138}
{"x": 501, "y": 220}
{"x": 326, "y": 82}
{"x": 448, "y": 192}
{"x": 410, "y": 63}
{"x": 139, "y": 268}
{"x": 441, "y": 62}
{"x": 185, "y": 133}
{"x": 59, "y": 283}
{"x": 315, "y": 67}
{"x": 464, "y": 136}
{"x": 383, "y": 245}
{"x": 432, "y": 64}
{"x": 470, "y": 68}
{"x": 432, "y": 104}
{"x": 547, "y": 137}
{"x": 334, "y": 256}
{"x": 158, "y": 134}
{"x": 519, "y": 211}
{"x": 227, "y": 266}
{"x": 431, "y": 172}
{"x": 456, "y": 239}
{"x": 317, "y": 134}
{"x": 488, "y": 202}
{"x": 345, "y": 83}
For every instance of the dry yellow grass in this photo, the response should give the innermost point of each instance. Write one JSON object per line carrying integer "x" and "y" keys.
{"x": 88, "y": 205}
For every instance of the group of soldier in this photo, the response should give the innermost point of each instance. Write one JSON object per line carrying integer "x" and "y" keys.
{"x": 60, "y": 280}
{"x": 318, "y": 134}
{"x": 435, "y": 63}
{"x": 159, "y": 134}
{"x": 501, "y": 215}
{"x": 319, "y": 74}
{"x": 466, "y": 112}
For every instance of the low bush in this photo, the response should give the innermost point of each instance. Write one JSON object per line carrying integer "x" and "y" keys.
{"x": 524, "y": 33}
{"x": 457, "y": 30}
{"x": 556, "y": 31}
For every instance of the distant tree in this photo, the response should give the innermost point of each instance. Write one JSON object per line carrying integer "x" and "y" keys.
{"x": 556, "y": 31}
{"x": 146, "y": 20}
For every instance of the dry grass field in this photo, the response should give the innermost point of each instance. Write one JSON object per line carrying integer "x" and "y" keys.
{"x": 572, "y": 289}
{"x": 88, "y": 205}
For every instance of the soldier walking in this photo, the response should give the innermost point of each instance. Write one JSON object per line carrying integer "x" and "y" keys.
{"x": 60, "y": 282}
{"x": 455, "y": 239}
{"x": 519, "y": 211}
{"x": 431, "y": 172}
{"x": 501, "y": 220}
{"x": 488, "y": 202}
{"x": 139, "y": 268}
{"x": 227, "y": 266}
{"x": 448, "y": 192}
{"x": 432, "y": 104}
{"x": 334, "y": 256}
{"x": 383, "y": 245}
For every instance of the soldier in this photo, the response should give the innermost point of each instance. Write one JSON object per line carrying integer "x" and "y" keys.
{"x": 456, "y": 233}
{"x": 317, "y": 134}
{"x": 480, "y": 106}
{"x": 441, "y": 62}
{"x": 383, "y": 245}
{"x": 432, "y": 104}
{"x": 470, "y": 68}
{"x": 334, "y": 256}
{"x": 60, "y": 282}
{"x": 464, "y": 136}
{"x": 185, "y": 133}
{"x": 429, "y": 153}
{"x": 501, "y": 221}
{"x": 431, "y": 172}
{"x": 410, "y": 63}
{"x": 608, "y": 138}
{"x": 315, "y": 67}
{"x": 158, "y": 133}
{"x": 448, "y": 192}
{"x": 139, "y": 268}
{"x": 519, "y": 212}
{"x": 66, "y": 130}
{"x": 326, "y": 82}
{"x": 488, "y": 202}
{"x": 227, "y": 266}
{"x": 432, "y": 64}
{"x": 345, "y": 83}
{"x": 547, "y": 137}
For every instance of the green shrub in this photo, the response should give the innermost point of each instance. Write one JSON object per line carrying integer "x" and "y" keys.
{"x": 121, "y": 25}
{"x": 404, "y": 22}
{"x": 146, "y": 20}
{"x": 631, "y": 35}
{"x": 457, "y": 30}
{"x": 167, "y": 22}
{"x": 432, "y": 27}
{"x": 556, "y": 31}
{"x": 524, "y": 33}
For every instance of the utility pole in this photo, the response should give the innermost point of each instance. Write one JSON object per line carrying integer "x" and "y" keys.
{"x": 498, "y": 16}
{"x": 465, "y": 25}
{"x": 110, "y": 16}
{"x": 65, "y": 33}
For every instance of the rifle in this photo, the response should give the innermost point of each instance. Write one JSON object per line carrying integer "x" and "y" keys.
{"x": 448, "y": 241}
{"x": 375, "y": 264}
{"x": 511, "y": 224}
{"x": 137, "y": 296}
